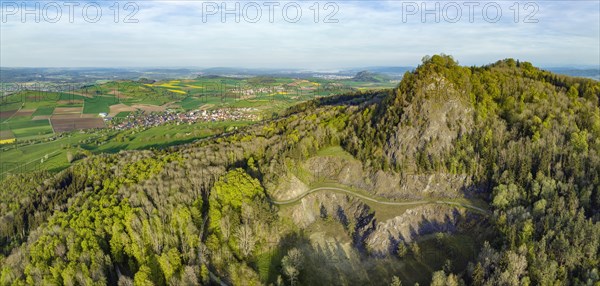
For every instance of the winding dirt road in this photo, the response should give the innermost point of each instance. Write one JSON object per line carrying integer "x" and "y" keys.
{"x": 374, "y": 200}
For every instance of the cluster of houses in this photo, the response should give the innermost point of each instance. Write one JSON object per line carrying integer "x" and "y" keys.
{"x": 141, "y": 119}
{"x": 296, "y": 87}
{"x": 258, "y": 91}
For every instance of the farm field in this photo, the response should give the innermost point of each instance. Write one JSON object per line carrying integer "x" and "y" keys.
{"x": 6, "y": 134}
{"x": 45, "y": 122}
{"x": 69, "y": 124}
{"x": 44, "y": 110}
{"x": 122, "y": 114}
{"x": 99, "y": 104}
{"x": 162, "y": 136}
{"x": 5, "y": 115}
{"x": 23, "y": 128}
{"x": 25, "y": 158}
{"x": 81, "y": 108}
{"x": 22, "y": 159}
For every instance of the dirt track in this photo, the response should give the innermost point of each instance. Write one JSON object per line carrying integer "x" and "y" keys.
{"x": 374, "y": 200}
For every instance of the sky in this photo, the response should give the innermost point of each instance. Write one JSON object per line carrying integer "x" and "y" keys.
{"x": 322, "y": 35}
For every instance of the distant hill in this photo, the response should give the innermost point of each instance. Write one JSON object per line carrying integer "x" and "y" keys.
{"x": 89, "y": 75}
{"x": 390, "y": 70}
{"x": 366, "y": 76}
{"x": 583, "y": 72}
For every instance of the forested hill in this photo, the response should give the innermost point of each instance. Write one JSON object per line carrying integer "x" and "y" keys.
{"x": 529, "y": 138}
{"x": 524, "y": 140}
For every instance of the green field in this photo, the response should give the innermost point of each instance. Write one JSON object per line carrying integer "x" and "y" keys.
{"x": 26, "y": 129}
{"x": 122, "y": 114}
{"x": 192, "y": 103}
{"x": 99, "y": 104}
{"x": 9, "y": 105}
{"x": 159, "y": 136}
{"x": 44, "y": 110}
{"x": 70, "y": 96}
{"x": 70, "y": 105}
{"x": 104, "y": 141}
{"x": 25, "y": 158}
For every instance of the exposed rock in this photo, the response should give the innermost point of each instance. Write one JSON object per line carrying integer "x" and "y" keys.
{"x": 378, "y": 238}
{"x": 418, "y": 186}
{"x": 429, "y": 124}
{"x": 291, "y": 187}
{"x": 386, "y": 184}
{"x": 341, "y": 170}
{"x": 412, "y": 224}
{"x": 343, "y": 208}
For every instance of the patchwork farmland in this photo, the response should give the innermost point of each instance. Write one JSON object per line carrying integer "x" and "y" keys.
{"x": 26, "y": 129}
{"x": 39, "y": 128}
{"x": 38, "y": 114}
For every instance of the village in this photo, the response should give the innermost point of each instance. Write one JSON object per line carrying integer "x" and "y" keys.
{"x": 146, "y": 120}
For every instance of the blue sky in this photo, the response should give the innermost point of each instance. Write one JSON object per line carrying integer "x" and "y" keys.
{"x": 367, "y": 33}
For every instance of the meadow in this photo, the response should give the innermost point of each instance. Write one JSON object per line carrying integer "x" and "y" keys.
{"x": 52, "y": 154}
{"x": 99, "y": 104}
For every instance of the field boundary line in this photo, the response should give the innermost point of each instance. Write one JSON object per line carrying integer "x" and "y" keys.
{"x": 12, "y": 115}
{"x": 82, "y": 109}
{"x": 51, "y": 126}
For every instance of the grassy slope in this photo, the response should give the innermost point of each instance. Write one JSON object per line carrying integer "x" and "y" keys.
{"x": 28, "y": 157}
{"x": 99, "y": 104}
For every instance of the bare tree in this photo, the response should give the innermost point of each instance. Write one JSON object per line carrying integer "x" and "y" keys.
{"x": 246, "y": 239}
{"x": 226, "y": 226}
{"x": 292, "y": 264}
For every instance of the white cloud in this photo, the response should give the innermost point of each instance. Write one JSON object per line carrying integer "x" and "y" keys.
{"x": 173, "y": 33}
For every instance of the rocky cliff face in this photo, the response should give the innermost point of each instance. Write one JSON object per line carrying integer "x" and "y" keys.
{"x": 345, "y": 171}
{"x": 417, "y": 186}
{"x": 412, "y": 132}
{"x": 385, "y": 184}
{"x": 432, "y": 118}
{"x": 411, "y": 225}
{"x": 369, "y": 235}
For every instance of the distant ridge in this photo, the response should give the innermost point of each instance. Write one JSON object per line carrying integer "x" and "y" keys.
{"x": 578, "y": 72}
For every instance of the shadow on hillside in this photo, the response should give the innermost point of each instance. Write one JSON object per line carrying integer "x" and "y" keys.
{"x": 475, "y": 190}
{"x": 333, "y": 262}
{"x": 357, "y": 98}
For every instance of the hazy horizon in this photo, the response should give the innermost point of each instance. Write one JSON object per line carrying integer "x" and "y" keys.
{"x": 295, "y": 69}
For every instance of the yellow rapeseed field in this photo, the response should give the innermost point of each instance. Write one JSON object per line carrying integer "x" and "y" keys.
{"x": 177, "y": 91}
{"x": 7, "y": 141}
